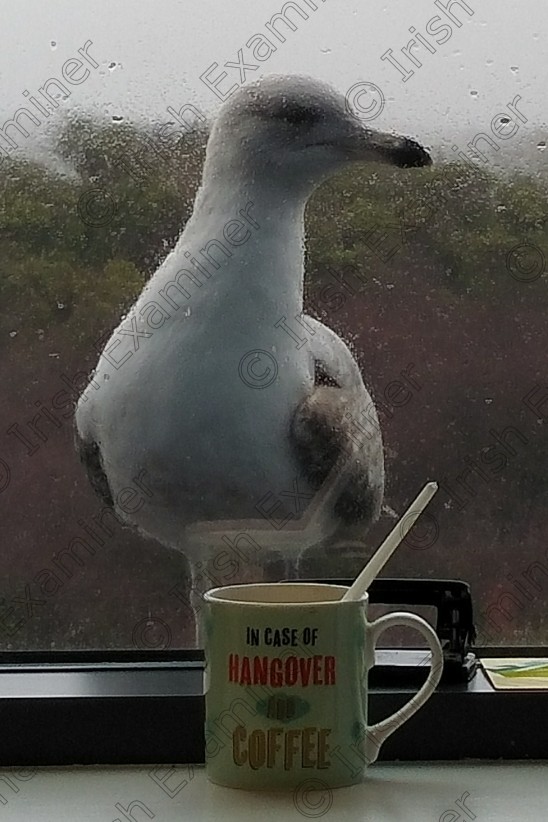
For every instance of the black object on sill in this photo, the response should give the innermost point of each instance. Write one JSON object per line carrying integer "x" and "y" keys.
{"x": 454, "y": 628}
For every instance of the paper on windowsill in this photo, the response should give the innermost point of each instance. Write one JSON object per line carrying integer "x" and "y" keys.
{"x": 517, "y": 673}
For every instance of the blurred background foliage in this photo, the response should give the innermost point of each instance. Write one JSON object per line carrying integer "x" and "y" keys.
{"x": 76, "y": 247}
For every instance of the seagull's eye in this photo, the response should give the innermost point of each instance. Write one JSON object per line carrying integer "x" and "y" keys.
{"x": 297, "y": 115}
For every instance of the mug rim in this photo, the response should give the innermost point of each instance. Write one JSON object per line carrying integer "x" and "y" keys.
{"x": 215, "y": 595}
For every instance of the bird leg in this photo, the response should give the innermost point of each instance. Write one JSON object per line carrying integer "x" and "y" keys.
{"x": 197, "y": 605}
{"x": 291, "y": 567}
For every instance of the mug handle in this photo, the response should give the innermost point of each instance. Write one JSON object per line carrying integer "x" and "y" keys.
{"x": 378, "y": 733}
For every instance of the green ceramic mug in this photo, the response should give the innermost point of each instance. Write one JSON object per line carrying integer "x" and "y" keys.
{"x": 286, "y": 684}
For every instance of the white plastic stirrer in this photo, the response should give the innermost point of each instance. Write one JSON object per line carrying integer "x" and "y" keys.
{"x": 398, "y": 533}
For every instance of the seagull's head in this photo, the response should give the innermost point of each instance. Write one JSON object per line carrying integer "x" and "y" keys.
{"x": 298, "y": 132}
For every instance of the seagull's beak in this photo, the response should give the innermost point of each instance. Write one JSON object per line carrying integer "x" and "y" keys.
{"x": 367, "y": 145}
{"x": 405, "y": 153}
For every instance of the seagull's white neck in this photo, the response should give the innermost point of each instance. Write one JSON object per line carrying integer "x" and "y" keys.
{"x": 263, "y": 269}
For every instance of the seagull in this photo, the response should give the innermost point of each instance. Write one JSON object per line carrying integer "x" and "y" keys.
{"x": 248, "y": 420}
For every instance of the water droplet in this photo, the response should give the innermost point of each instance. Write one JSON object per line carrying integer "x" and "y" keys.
{"x": 112, "y": 66}
{"x": 54, "y": 355}
{"x": 53, "y": 45}
{"x": 106, "y": 377}
{"x": 325, "y": 51}
{"x": 473, "y": 93}
{"x": 541, "y": 146}
{"x": 489, "y": 62}
{"x": 13, "y": 333}
{"x": 117, "y": 118}
{"x": 60, "y": 305}
{"x": 514, "y": 68}
{"x": 488, "y": 401}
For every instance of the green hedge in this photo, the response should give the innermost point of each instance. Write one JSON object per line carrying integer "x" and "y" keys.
{"x": 458, "y": 222}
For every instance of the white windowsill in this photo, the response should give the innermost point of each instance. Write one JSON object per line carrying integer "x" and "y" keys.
{"x": 393, "y": 791}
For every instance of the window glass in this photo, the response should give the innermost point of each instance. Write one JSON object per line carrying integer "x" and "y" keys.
{"x": 435, "y": 278}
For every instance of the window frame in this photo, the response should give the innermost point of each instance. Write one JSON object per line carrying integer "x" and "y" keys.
{"x": 137, "y": 707}
{"x": 139, "y": 711}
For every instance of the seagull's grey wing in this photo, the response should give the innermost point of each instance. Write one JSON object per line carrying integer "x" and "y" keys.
{"x": 337, "y": 413}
